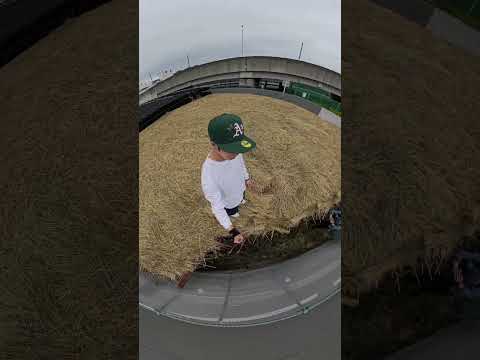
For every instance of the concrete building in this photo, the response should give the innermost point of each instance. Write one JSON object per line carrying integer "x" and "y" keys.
{"x": 251, "y": 71}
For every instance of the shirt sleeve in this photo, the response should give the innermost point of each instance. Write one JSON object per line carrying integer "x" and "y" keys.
{"x": 213, "y": 194}
{"x": 246, "y": 175}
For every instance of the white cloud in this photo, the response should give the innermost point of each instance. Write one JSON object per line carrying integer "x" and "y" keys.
{"x": 211, "y": 29}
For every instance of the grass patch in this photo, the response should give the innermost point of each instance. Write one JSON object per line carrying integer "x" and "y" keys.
{"x": 266, "y": 251}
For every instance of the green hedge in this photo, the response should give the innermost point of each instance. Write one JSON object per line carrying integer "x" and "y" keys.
{"x": 315, "y": 95}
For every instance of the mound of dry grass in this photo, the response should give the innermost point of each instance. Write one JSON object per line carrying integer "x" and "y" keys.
{"x": 68, "y": 183}
{"x": 296, "y": 163}
{"x": 413, "y": 155}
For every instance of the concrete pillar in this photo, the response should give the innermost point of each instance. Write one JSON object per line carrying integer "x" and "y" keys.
{"x": 247, "y": 82}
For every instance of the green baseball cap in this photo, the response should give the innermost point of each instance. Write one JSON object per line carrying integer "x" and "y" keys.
{"x": 227, "y": 132}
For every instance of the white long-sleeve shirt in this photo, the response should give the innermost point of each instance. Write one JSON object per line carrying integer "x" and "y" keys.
{"x": 223, "y": 184}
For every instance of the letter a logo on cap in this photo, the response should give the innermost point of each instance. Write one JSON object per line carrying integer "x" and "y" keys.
{"x": 238, "y": 130}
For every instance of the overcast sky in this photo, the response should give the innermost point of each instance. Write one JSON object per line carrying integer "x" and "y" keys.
{"x": 209, "y": 30}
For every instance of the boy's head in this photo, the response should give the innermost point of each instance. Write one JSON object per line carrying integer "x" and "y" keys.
{"x": 226, "y": 133}
{"x": 223, "y": 154}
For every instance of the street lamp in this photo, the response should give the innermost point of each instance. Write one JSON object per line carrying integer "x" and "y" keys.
{"x": 300, "y": 55}
{"x": 242, "y": 40}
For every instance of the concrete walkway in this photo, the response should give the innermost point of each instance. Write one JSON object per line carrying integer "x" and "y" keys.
{"x": 316, "y": 336}
{"x": 323, "y": 113}
{"x": 258, "y": 297}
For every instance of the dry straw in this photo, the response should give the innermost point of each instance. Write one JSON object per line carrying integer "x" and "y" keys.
{"x": 411, "y": 165}
{"x": 296, "y": 165}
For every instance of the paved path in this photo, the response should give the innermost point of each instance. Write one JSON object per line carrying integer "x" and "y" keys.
{"x": 232, "y": 299}
{"x": 323, "y": 113}
{"x": 314, "y": 336}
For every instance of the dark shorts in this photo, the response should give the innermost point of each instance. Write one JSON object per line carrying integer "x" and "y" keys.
{"x": 231, "y": 212}
{"x": 234, "y": 210}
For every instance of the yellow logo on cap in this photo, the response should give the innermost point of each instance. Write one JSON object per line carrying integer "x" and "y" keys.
{"x": 246, "y": 144}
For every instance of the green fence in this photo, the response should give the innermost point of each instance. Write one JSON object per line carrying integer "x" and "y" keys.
{"x": 315, "y": 95}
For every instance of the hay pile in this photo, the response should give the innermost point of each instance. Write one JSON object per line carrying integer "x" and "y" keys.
{"x": 68, "y": 214}
{"x": 296, "y": 163}
{"x": 411, "y": 165}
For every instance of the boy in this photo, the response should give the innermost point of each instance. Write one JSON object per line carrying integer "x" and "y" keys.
{"x": 224, "y": 174}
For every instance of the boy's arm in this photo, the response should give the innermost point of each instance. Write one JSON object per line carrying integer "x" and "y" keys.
{"x": 214, "y": 196}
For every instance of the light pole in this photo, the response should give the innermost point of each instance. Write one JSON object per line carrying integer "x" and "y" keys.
{"x": 300, "y": 55}
{"x": 188, "y": 61}
{"x": 242, "y": 40}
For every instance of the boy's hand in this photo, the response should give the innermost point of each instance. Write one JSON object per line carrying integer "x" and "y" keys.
{"x": 238, "y": 239}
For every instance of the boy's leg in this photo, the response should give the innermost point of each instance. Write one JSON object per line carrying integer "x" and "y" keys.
{"x": 183, "y": 279}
